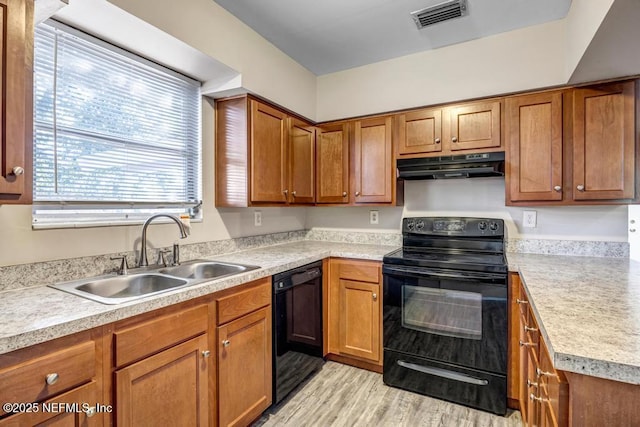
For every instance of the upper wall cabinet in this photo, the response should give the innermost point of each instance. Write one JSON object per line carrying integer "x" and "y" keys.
{"x": 16, "y": 84}
{"x": 572, "y": 147}
{"x": 450, "y": 130}
{"x": 264, "y": 157}
{"x": 332, "y": 162}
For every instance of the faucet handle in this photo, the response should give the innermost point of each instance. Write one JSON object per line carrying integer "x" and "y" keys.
{"x": 162, "y": 260}
{"x": 124, "y": 266}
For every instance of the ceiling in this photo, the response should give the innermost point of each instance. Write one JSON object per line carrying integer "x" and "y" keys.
{"x": 333, "y": 35}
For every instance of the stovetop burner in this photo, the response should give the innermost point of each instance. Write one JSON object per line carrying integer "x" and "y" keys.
{"x": 475, "y": 244}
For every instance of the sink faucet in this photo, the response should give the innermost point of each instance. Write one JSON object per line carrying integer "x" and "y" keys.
{"x": 143, "y": 249}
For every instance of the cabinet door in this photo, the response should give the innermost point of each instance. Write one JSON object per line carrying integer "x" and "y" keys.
{"x": 302, "y": 172}
{"x": 534, "y": 146}
{"x": 332, "y": 161}
{"x": 475, "y": 126}
{"x": 170, "y": 388}
{"x": 604, "y": 142}
{"x": 16, "y": 21}
{"x": 373, "y": 162}
{"x": 65, "y": 410}
{"x": 244, "y": 368}
{"x": 360, "y": 319}
{"x": 268, "y": 154}
{"x": 420, "y": 132}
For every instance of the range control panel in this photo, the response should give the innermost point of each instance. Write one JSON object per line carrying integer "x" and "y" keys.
{"x": 459, "y": 226}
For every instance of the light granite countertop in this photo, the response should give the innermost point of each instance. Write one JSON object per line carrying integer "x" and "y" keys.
{"x": 37, "y": 314}
{"x": 588, "y": 311}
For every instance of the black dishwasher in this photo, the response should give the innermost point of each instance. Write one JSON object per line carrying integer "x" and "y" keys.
{"x": 297, "y": 327}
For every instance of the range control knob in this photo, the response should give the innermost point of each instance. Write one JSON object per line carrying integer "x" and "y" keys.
{"x": 419, "y": 225}
{"x": 410, "y": 225}
{"x": 493, "y": 226}
{"x": 482, "y": 225}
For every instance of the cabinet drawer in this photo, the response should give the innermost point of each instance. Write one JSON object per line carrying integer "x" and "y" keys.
{"x": 360, "y": 271}
{"x": 243, "y": 302}
{"x": 150, "y": 337}
{"x": 65, "y": 369}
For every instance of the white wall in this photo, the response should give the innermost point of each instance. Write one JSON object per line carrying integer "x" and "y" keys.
{"x": 212, "y": 30}
{"x": 523, "y": 59}
{"x": 482, "y": 197}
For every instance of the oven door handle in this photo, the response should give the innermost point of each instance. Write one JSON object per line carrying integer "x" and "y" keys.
{"x": 422, "y": 272}
{"x": 443, "y": 373}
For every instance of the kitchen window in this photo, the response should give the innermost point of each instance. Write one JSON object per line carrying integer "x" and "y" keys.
{"x": 116, "y": 136}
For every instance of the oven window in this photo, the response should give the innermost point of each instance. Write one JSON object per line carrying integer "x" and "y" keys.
{"x": 444, "y": 312}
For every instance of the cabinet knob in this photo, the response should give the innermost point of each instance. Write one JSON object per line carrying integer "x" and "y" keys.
{"x": 541, "y": 373}
{"x": 344, "y": 194}
{"x": 526, "y": 344}
{"x": 52, "y": 378}
{"x": 357, "y": 193}
{"x": 532, "y": 384}
{"x": 17, "y": 170}
{"x": 285, "y": 192}
{"x": 226, "y": 343}
{"x": 632, "y": 230}
{"x": 293, "y": 193}
{"x": 454, "y": 139}
{"x": 580, "y": 187}
{"x": 520, "y": 301}
{"x": 90, "y": 412}
{"x": 557, "y": 188}
{"x": 437, "y": 141}
{"x": 206, "y": 353}
{"x": 529, "y": 329}
{"x": 535, "y": 398}
{"x": 375, "y": 297}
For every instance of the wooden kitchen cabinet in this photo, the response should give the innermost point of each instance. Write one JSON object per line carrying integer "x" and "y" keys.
{"x": 302, "y": 171}
{"x": 474, "y": 126}
{"x": 534, "y": 135}
{"x": 355, "y": 312}
{"x": 420, "y": 131}
{"x": 264, "y": 156}
{"x": 268, "y": 154}
{"x": 374, "y": 169}
{"x": 572, "y": 147}
{"x": 16, "y": 136}
{"x": 162, "y": 368}
{"x": 332, "y": 162}
{"x": 604, "y": 142}
{"x": 67, "y": 370}
{"x": 244, "y": 353}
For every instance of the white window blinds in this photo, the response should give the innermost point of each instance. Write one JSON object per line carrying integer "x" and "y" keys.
{"x": 111, "y": 128}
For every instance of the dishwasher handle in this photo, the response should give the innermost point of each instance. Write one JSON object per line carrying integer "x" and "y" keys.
{"x": 296, "y": 279}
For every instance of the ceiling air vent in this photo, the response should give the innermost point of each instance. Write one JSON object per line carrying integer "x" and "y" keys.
{"x": 440, "y": 12}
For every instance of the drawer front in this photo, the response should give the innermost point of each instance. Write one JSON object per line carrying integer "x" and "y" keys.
{"x": 360, "y": 271}
{"x": 243, "y": 302}
{"x": 64, "y": 369}
{"x": 150, "y": 337}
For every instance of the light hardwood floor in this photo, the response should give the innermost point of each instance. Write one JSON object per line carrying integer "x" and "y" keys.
{"x": 340, "y": 395}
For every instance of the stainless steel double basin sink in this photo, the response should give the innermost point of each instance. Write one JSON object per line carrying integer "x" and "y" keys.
{"x": 112, "y": 289}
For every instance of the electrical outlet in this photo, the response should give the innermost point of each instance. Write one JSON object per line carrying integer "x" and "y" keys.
{"x": 374, "y": 217}
{"x": 529, "y": 219}
{"x": 257, "y": 218}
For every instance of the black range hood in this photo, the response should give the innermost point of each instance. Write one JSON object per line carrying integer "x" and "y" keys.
{"x": 447, "y": 167}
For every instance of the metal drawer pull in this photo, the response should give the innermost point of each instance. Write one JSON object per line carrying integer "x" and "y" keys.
{"x": 293, "y": 193}
{"x": 521, "y": 301}
{"x": 528, "y": 329}
{"x": 557, "y": 188}
{"x": 533, "y": 397}
{"x": 437, "y": 141}
{"x": 443, "y": 373}
{"x": 206, "y": 353}
{"x": 226, "y": 343}
{"x": 17, "y": 170}
{"x": 52, "y": 378}
{"x": 541, "y": 373}
{"x": 454, "y": 139}
{"x": 580, "y": 187}
{"x": 527, "y": 344}
{"x": 532, "y": 384}
{"x": 344, "y": 194}
{"x": 375, "y": 297}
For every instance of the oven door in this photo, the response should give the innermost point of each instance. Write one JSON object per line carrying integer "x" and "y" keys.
{"x": 454, "y": 317}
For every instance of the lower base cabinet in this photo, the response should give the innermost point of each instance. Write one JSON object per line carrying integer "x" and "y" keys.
{"x": 169, "y": 388}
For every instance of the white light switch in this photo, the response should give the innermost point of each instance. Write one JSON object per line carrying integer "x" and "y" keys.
{"x": 257, "y": 218}
{"x": 529, "y": 219}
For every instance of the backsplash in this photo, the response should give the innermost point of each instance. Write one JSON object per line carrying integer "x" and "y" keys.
{"x": 42, "y": 273}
